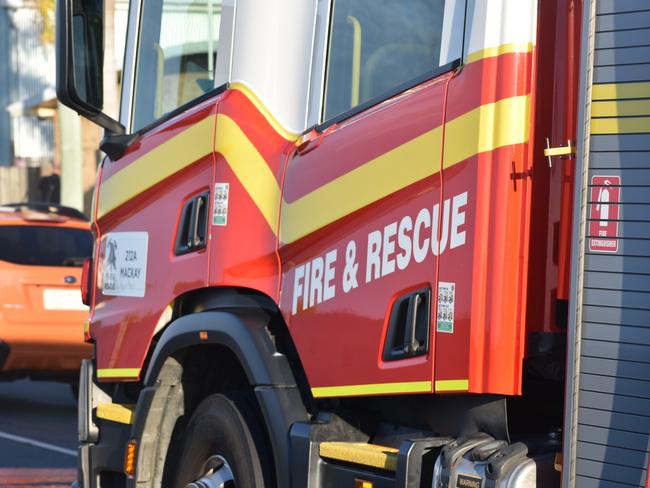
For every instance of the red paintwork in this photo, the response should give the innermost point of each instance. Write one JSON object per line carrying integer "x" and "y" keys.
{"x": 340, "y": 341}
{"x": 244, "y": 251}
{"x": 556, "y": 90}
{"x": 122, "y": 327}
{"x": 568, "y": 32}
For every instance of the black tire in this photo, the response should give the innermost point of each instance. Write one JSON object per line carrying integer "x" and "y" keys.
{"x": 227, "y": 426}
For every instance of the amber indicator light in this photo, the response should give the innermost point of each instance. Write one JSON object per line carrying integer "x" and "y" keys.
{"x": 362, "y": 484}
{"x": 129, "y": 458}
{"x": 203, "y": 335}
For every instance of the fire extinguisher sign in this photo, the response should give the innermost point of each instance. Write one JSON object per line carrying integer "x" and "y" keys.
{"x": 603, "y": 213}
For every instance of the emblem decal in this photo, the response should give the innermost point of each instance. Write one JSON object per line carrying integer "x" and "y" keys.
{"x": 125, "y": 264}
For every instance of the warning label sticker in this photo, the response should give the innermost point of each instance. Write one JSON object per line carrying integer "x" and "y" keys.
{"x": 604, "y": 213}
{"x": 446, "y": 298}
{"x": 467, "y": 481}
{"x": 125, "y": 264}
{"x": 220, "y": 208}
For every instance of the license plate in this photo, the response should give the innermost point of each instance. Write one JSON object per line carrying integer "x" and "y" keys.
{"x": 58, "y": 299}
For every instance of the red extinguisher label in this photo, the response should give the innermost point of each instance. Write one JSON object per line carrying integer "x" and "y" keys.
{"x": 603, "y": 213}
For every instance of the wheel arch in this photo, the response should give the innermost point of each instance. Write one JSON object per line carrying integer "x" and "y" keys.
{"x": 248, "y": 325}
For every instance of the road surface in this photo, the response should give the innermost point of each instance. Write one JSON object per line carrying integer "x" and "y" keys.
{"x": 38, "y": 434}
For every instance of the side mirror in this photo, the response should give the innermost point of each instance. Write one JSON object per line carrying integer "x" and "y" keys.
{"x": 80, "y": 60}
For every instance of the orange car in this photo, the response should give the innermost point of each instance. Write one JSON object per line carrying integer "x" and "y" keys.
{"x": 42, "y": 250}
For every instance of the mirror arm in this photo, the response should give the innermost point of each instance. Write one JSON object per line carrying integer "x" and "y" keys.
{"x": 111, "y": 125}
{"x": 115, "y": 145}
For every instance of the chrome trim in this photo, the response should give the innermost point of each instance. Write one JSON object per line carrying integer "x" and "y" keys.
{"x": 88, "y": 431}
{"x": 218, "y": 474}
{"x": 578, "y": 247}
{"x": 318, "y": 63}
{"x": 223, "y": 69}
{"x": 128, "y": 69}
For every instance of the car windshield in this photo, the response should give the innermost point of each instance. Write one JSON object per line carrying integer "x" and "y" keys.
{"x": 45, "y": 246}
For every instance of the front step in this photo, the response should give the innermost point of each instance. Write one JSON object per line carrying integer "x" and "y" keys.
{"x": 329, "y": 454}
{"x": 370, "y": 455}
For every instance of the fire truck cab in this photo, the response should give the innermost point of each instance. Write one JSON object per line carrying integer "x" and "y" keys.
{"x": 342, "y": 242}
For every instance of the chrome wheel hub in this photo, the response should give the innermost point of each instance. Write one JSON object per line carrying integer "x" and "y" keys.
{"x": 217, "y": 475}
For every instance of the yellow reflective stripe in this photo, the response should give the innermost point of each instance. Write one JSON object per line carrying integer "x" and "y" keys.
{"x": 631, "y": 125}
{"x": 360, "y": 453}
{"x": 623, "y": 108}
{"x": 249, "y": 166}
{"x": 626, "y": 116}
{"x": 116, "y": 412}
{"x": 617, "y": 91}
{"x": 160, "y": 163}
{"x": 452, "y": 385}
{"x": 254, "y": 99}
{"x": 118, "y": 373}
{"x": 362, "y": 186}
{"x": 372, "y": 389}
{"x": 489, "y": 52}
{"x": 485, "y": 128}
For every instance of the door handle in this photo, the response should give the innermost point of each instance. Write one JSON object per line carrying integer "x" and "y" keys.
{"x": 191, "y": 234}
{"x": 195, "y": 238}
{"x": 411, "y": 344}
{"x": 409, "y": 325}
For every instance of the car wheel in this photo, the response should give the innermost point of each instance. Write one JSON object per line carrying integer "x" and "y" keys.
{"x": 224, "y": 446}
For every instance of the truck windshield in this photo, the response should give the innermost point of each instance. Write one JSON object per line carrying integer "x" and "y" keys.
{"x": 176, "y": 56}
{"x": 44, "y": 246}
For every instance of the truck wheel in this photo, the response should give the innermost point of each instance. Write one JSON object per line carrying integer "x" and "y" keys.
{"x": 224, "y": 444}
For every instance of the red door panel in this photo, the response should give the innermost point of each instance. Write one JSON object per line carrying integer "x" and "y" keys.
{"x": 355, "y": 234}
{"x": 486, "y": 162}
{"x": 166, "y": 167}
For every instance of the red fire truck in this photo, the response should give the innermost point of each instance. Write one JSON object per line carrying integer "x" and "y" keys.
{"x": 352, "y": 243}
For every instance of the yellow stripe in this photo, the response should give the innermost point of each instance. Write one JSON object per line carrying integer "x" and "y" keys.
{"x": 489, "y": 52}
{"x": 452, "y": 385}
{"x": 361, "y": 186}
{"x": 250, "y": 168}
{"x": 254, "y": 99}
{"x": 360, "y": 453}
{"x": 118, "y": 373}
{"x": 116, "y": 412}
{"x": 372, "y": 389}
{"x": 632, "y": 125}
{"x": 617, "y": 91}
{"x": 485, "y": 128}
{"x": 559, "y": 151}
{"x": 624, "y": 108}
{"x": 158, "y": 164}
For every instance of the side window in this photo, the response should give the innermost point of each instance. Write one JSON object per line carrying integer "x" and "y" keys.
{"x": 376, "y": 46}
{"x": 176, "y": 55}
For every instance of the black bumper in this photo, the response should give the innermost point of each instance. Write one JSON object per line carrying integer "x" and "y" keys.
{"x": 101, "y": 464}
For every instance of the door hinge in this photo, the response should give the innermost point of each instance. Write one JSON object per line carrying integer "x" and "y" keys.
{"x": 565, "y": 152}
{"x": 515, "y": 175}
